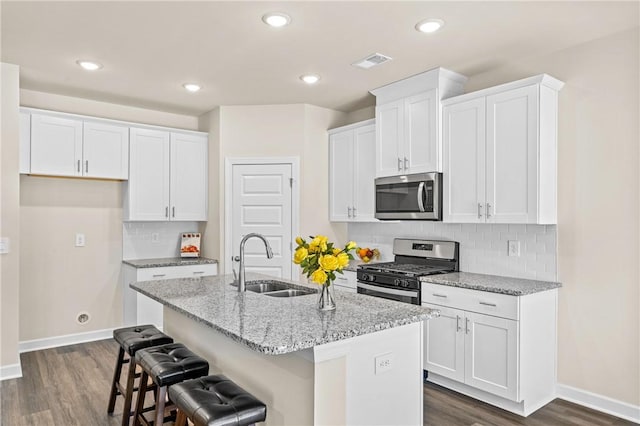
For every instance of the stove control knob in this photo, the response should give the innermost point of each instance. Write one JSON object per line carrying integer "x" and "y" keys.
{"x": 405, "y": 283}
{"x": 367, "y": 277}
{"x": 397, "y": 282}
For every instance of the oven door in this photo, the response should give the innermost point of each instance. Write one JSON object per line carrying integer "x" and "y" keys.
{"x": 400, "y": 295}
{"x": 417, "y": 196}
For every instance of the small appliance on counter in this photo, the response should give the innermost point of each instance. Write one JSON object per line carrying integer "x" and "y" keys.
{"x": 400, "y": 280}
{"x": 190, "y": 244}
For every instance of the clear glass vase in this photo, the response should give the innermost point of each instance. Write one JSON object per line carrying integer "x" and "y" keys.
{"x": 326, "y": 301}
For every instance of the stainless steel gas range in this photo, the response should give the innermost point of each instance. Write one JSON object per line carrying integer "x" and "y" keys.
{"x": 400, "y": 280}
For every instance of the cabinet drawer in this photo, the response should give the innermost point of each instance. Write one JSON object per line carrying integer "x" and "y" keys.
{"x": 169, "y": 272}
{"x": 495, "y": 304}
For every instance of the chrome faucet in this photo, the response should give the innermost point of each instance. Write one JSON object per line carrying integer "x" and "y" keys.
{"x": 241, "y": 283}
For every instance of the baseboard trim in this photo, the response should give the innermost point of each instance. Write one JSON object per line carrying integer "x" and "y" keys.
{"x": 68, "y": 339}
{"x": 599, "y": 402}
{"x": 11, "y": 371}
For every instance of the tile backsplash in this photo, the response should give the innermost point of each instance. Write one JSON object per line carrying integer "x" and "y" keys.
{"x": 483, "y": 247}
{"x": 138, "y": 240}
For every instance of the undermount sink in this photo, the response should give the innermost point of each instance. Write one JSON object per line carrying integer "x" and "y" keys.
{"x": 275, "y": 288}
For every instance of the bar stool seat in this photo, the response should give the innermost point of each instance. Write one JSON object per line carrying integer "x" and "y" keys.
{"x": 216, "y": 401}
{"x": 131, "y": 339}
{"x": 166, "y": 365}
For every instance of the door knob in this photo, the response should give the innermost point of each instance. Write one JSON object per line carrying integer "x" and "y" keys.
{"x": 236, "y": 258}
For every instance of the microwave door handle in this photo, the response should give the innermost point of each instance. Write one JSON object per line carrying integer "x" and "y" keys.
{"x": 421, "y": 196}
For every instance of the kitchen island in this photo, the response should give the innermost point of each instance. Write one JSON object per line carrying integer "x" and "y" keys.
{"x": 359, "y": 364}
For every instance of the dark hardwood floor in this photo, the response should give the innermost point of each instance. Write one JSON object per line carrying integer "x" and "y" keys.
{"x": 70, "y": 386}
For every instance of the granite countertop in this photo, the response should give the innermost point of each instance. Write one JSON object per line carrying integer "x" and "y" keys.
{"x": 273, "y": 325}
{"x": 168, "y": 261}
{"x": 491, "y": 283}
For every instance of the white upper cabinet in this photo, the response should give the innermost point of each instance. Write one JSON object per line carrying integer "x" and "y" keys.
{"x": 408, "y": 138}
{"x": 500, "y": 153}
{"x": 25, "y": 142}
{"x": 56, "y": 145}
{"x": 65, "y": 145}
{"x": 352, "y": 173}
{"x": 168, "y": 179}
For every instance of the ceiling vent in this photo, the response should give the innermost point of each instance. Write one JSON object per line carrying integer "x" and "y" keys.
{"x": 371, "y": 61}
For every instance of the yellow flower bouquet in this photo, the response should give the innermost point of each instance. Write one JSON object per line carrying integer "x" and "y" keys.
{"x": 320, "y": 262}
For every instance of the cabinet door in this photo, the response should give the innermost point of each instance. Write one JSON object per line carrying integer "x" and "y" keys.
{"x": 512, "y": 123}
{"x": 341, "y": 176}
{"x": 389, "y": 138}
{"x": 148, "y": 186}
{"x": 25, "y": 142}
{"x": 56, "y": 145}
{"x": 105, "y": 151}
{"x": 364, "y": 154}
{"x": 421, "y": 146}
{"x": 189, "y": 178}
{"x": 464, "y": 162}
{"x": 491, "y": 354}
{"x": 444, "y": 343}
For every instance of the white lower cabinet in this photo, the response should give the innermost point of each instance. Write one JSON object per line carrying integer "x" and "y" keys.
{"x": 346, "y": 282}
{"x": 139, "y": 309}
{"x": 498, "y": 348}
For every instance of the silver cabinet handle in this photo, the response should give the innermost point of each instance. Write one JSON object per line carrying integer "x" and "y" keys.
{"x": 466, "y": 325}
{"x": 158, "y": 275}
{"x": 458, "y": 327}
{"x": 349, "y": 211}
{"x": 488, "y": 210}
{"x": 354, "y": 212}
{"x": 399, "y": 164}
{"x": 421, "y": 196}
{"x": 173, "y": 211}
{"x": 488, "y": 304}
{"x": 479, "y": 210}
{"x": 198, "y": 272}
{"x": 78, "y": 166}
{"x": 86, "y": 166}
{"x": 406, "y": 163}
{"x": 440, "y": 295}
{"x": 166, "y": 211}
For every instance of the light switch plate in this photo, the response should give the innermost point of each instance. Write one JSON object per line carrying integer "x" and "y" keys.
{"x": 384, "y": 363}
{"x": 80, "y": 240}
{"x": 514, "y": 248}
{"x": 4, "y": 245}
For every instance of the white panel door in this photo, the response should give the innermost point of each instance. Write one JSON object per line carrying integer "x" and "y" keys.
{"x": 105, "y": 151}
{"x": 491, "y": 358}
{"x": 262, "y": 203}
{"x": 189, "y": 177}
{"x": 389, "y": 138}
{"x": 148, "y": 187}
{"x": 464, "y": 162}
{"x": 512, "y": 156}
{"x": 364, "y": 153}
{"x": 56, "y": 145}
{"x": 25, "y": 142}
{"x": 444, "y": 343}
{"x": 421, "y": 147}
{"x": 341, "y": 183}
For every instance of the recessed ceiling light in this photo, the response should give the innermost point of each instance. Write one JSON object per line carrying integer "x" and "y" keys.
{"x": 89, "y": 65}
{"x": 429, "y": 25}
{"x": 276, "y": 19}
{"x": 191, "y": 87}
{"x": 310, "y": 78}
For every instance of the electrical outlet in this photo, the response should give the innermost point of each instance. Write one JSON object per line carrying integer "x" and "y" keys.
{"x": 384, "y": 363}
{"x": 514, "y": 248}
{"x": 80, "y": 240}
{"x": 4, "y": 245}
{"x": 155, "y": 237}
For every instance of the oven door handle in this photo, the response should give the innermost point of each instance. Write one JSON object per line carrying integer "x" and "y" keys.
{"x": 388, "y": 290}
{"x": 421, "y": 196}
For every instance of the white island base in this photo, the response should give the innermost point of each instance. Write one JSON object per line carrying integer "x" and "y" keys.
{"x": 372, "y": 379}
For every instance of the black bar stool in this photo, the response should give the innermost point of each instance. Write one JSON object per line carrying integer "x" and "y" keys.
{"x": 131, "y": 339}
{"x": 166, "y": 365}
{"x": 215, "y": 401}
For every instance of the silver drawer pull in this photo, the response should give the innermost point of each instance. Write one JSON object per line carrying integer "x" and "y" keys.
{"x": 198, "y": 272}
{"x": 488, "y": 304}
{"x": 158, "y": 275}
{"x": 440, "y": 295}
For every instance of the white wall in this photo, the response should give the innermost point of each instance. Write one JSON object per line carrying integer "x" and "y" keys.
{"x": 58, "y": 280}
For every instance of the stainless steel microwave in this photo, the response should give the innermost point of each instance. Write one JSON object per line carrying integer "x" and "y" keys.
{"x": 409, "y": 197}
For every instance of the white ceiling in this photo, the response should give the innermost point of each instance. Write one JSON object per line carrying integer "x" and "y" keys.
{"x": 150, "y": 48}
